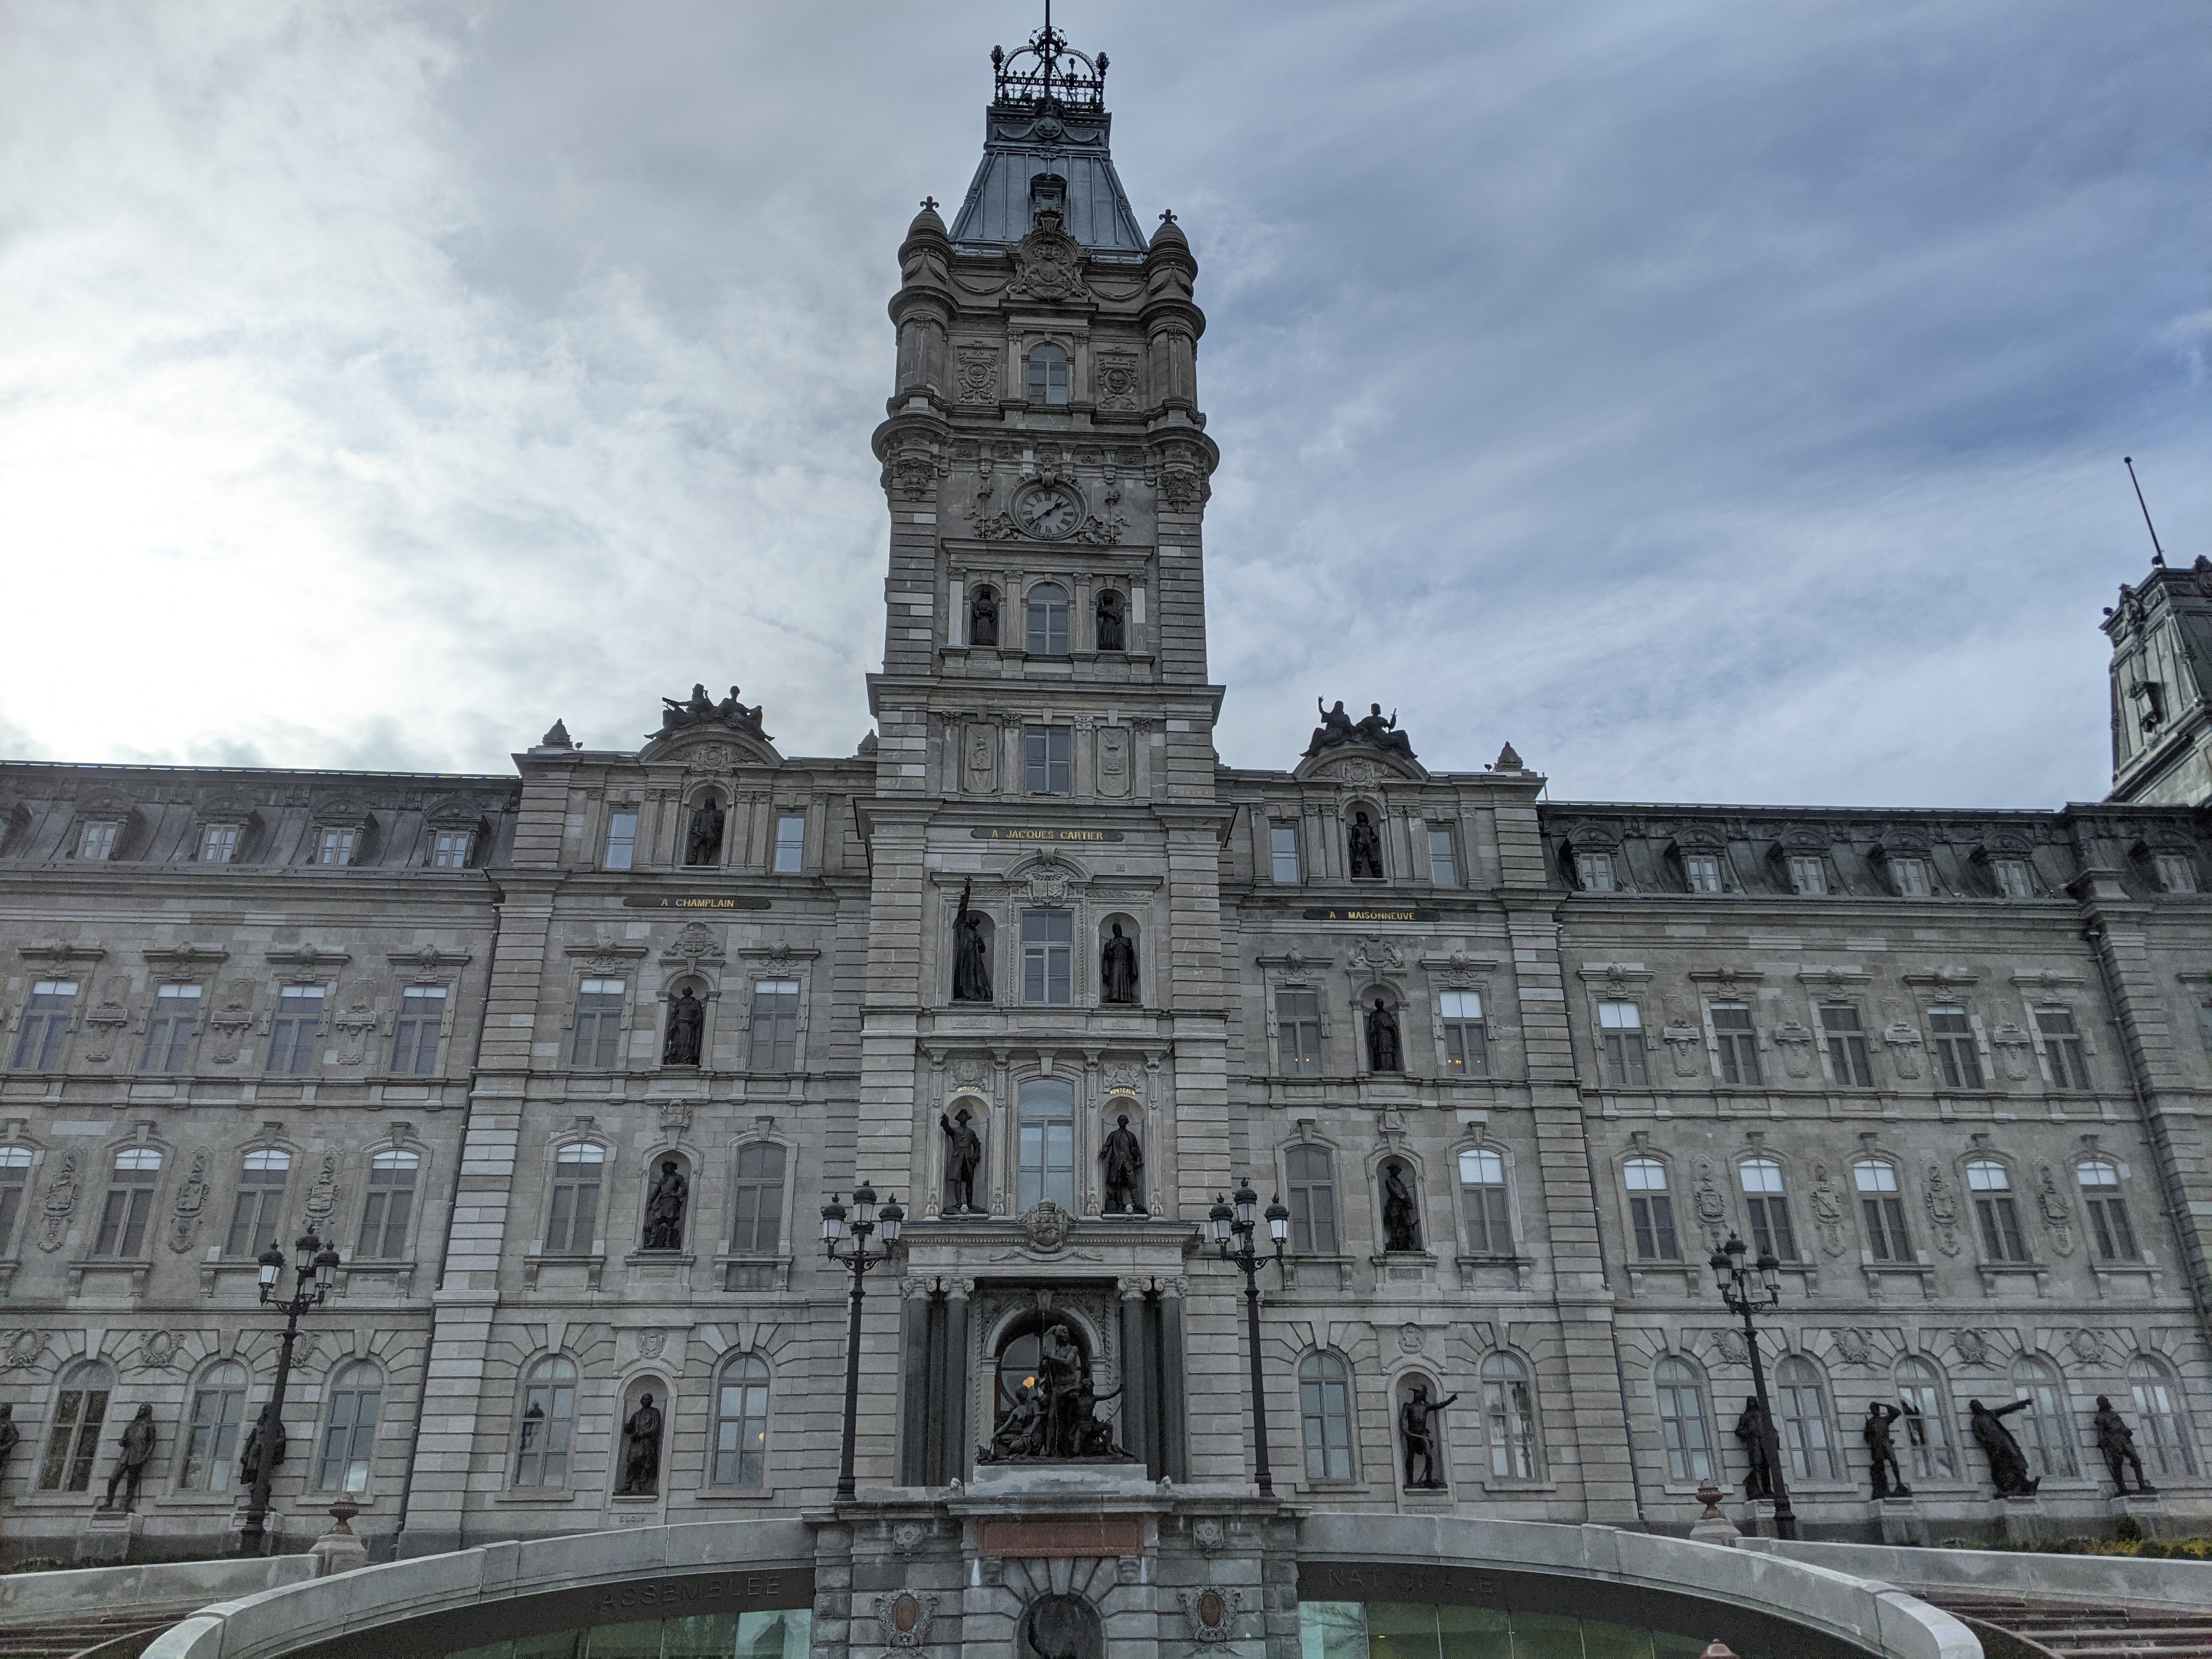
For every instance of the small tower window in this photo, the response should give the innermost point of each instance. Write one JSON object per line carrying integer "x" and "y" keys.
{"x": 1047, "y": 374}
{"x": 1048, "y": 620}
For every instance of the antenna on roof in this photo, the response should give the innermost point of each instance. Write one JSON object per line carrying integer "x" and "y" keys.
{"x": 2157, "y": 553}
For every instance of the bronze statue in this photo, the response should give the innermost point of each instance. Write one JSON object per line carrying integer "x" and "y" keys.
{"x": 664, "y": 1208}
{"x": 983, "y": 617}
{"x": 1384, "y": 1051}
{"x": 703, "y": 845}
{"x": 1365, "y": 844}
{"x": 1021, "y": 1432}
{"x": 699, "y": 710}
{"x": 1117, "y": 968}
{"x": 131, "y": 1460}
{"x": 1888, "y": 1477}
{"x": 687, "y": 1024}
{"x": 1109, "y": 621}
{"x": 642, "y": 1453}
{"x": 265, "y": 1432}
{"x": 1092, "y": 1438}
{"x": 1336, "y": 728}
{"x": 963, "y": 1156}
{"x": 1417, "y": 1427}
{"x": 1061, "y": 1372}
{"x": 1756, "y": 1440}
{"x": 2116, "y": 1444}
{"x": 1383, "y": 734}
{"x": 2007, "y": 1462}
{"x": 971, "y": 961}
{"x": 1401, "y": 1217}
{"x": 1125, "y": 1170}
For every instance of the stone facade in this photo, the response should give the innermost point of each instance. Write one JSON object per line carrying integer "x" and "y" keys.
{"x": 1947, "y": 1065}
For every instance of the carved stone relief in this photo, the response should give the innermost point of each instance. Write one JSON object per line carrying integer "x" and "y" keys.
{"x": 191, "y": 1200}
{"x": 1854, "y": 1347}
{"x": 1942, "y": 1200}
{"x": 353, "y": 1028}
{"x": 228, "y": 1025}
{"x": 1685, "y": 1043}
{"x": 979, "y": 375}
{"x": 1706, "y": 1196}
{"x": 60, "y": 1198}
{"x": 1827, "y": 1210}
{"x": 1113, "y": 750}
{"x": 323, "y": 1195}
{"x": 2011, "y": 1045}
{"x": 2057, "y": 1213}
{"x": 1118, "y": 385}
{"x": 1795, "y": 1041}
{"x": 982, "y": 747}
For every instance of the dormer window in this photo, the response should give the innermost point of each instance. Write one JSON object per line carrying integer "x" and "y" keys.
{"x": 1594, "y": 872}
{"x": 97, "y": 840}
{"x": 219, "y": 843}
{"x": 2012, "y": 877}
{"x": 338, "y": 845}
{"x": 1910, "y": 877}
{"x": 451, "y": 848}
{"x": 2177, "y": 872}
{"x": 1702, "y": 871}
{"x": 1808, "y": 875}
{"x": 1047, "y": 374}
{"x": 2150, "y": 704}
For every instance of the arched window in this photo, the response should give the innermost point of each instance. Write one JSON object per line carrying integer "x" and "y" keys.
{"x": 2162, "y": 1426}
{"x": 549, "y": 1418}
{"x": 1509, "y": 1412}
{"x": 1650, "y": 1210}
{"x": 571, "y": 1225}
{"x": 741, "y": 1423}
{"x": 210, "y": 1451}
{"x": 1482, "y": 1196}
{"x": 2108, "y": 1211}
{"x": 1048, "y": 620}
{"x": 1801, "y": 1403}
{"x": 73, "y": 1434}
{"x": 1883, "y": 1208}
{"x": 390, "y": 1201}
{"x": 257, "y": 1219}
{"x": 2046, "y": 1427}
{"x": 1047, "y": 374}
{"x": 1766, "y": 1208}
{"x": 757, "y": 1200}
{"x": 1325, "y": 1408}
{"x": 1312, "y": 1177}
{"x": 1048, "y": 1143}
{"x": 1929, "y": 1441}
{"x": 1996, "y": 1213}
{"x": 1684, "y": 1423}
{"x": 130, "y": 1204}
{"x": 349, "y": 1429}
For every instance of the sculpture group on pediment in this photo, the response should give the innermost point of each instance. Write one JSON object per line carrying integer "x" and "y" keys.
{"x": 683, "y": 713}
{"x": 1373, "y": 728}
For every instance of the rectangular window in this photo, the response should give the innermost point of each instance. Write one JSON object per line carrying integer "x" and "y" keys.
{"x": 1482, "y": 1197}
{"x": 45, "y": 1025}
{"x": 1995, "y": 1214}
{"x": 1766, "y": 1209}
{"x": 2013, "y": 878}
{"x": 1849, "y": 1057}
{"x": 415, "y": 1037}
{"x": 2062, "y": 1042}
{"x": 1467, "y": 1047}
{"x": 1808, "y": 875}
{"x": 2177, "y": 872}
{"x": 450, "y": 851}
{"x": 1651, "y": 1211}
{"x": 1443, "y": 858}
{"x": 622, "y": 839}
{"x": 2108, "y": 1211}
{"x": 219, "y": 843}
{"x": 1046, "y": 749}
{"x": 1620, "y": 1030}
{"x": 1049, "y": 957}
{"x": 599, "y": 1024}
{"x": 1703, "y": 871}
{"x": 1955, "y": 1050}
{"x": 338, "y": 845}
{"x": 73, "y": 1442}
{"x": 1046, "y": 1145}
{"x": 169, "y": 1032}
{"x": 1910, "y": 876}
{"x": 15, "y": 1176}
{"x": 389, "y": 1204}
{"x": 293, "y": 1033}
{"x": 1297, "y": 1030}
{"x": 129, "y": 1205}
{"x": 790, "y": 843}
{"x": 257, "y": 1220}
{"x": 571, "y": 1225}
{"x": 1282, "y": 851}
{"x": 1594, "y": 872}
{"x": 757, "y": 1224}
{"x": 1313, "y": 1201}
{"x": 97, "y": 842}
{"x": 1883, "y": 1211}
{"x": 774, "y": 1045}
{"x": 1738, "y": 1043}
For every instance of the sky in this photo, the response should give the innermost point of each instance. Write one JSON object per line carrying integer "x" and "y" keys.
{"x": 1720, "y": 402}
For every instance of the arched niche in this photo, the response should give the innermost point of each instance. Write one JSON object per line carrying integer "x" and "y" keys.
{"x": 1397, "y": 1180}
{"x": 986, "y": 608}
{"x": 1380, "y": 1007}
{"x": 1121, "y": 1112}
{"x": 664, "y": 1205}
{"x": 641, "y": 1435}
{"x": 1059, "y": 1627}
{"x": 703, "y": 832}
{"x": 1110, "y": 612}
{"x": 683, "y": 1034}
{"x": 1132, "y": 995}
{"x": 1417, "y": 1427}
{"x": 1366, "y": 845}
{"x": 1033, "y": 1381}
{"x": 976, "y": 1198}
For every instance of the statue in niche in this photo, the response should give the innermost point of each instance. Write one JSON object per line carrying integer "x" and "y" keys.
{"x": 2116, "y": 1444}
{"x": 703, "y": 844}
{"x": 664, "y": 1208}
{"x": 2007, "y": 1462}
{"x": 1055, "y": 1412}
{"x": 1385, "y": 1053}
{"x": 1110, "y": 632}
{"x": 1117, "y": 968}
{"x": 1125, "y": 1170}
{"x": 132, "y": 1458}
{"x": 983, "y": 617}
{"x": 1383, "y": 734}
{"x": 1366, "y": 849}
{"x": 687, "y": 1026}
{"x": 1416, "y": 1428}
{"x": 1882, "y": 1449}
{"x": 963, "y": 1156}
{"x": 971, "y": 960}
{"x": 642, "y": 1451}
{"x": 1756, "y": 1440}
{"x": 1335, "y": 728}
{"x": 1401, "y": 1217}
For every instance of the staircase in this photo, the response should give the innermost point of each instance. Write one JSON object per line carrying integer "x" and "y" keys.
{"x": 2040, "y": 1627}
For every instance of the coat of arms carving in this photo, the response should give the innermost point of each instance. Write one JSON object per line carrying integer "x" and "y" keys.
{"x": 1047, "y": 1228}
{"x": 1048, "y": 263}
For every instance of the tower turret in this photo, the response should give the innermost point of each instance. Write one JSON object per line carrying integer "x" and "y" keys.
{"x": 2162, "y": 635}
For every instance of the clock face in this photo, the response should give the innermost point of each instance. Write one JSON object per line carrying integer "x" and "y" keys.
{"x": 1049, "y": 510}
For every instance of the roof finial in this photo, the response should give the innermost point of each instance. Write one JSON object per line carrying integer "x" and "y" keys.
{"x": 2157, "y": 553}
{"x": 929, "y": 203}
{"x": 1167, "y": 215}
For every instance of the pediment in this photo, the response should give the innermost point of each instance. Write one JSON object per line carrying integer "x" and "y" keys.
{"x": 711, "y": 748}
{"x": 1359, "y": 766}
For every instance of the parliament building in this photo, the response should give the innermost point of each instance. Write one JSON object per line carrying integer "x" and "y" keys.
{"x": 565, "y": 1062}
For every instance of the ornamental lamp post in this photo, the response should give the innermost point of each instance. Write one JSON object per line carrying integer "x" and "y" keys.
{"x": 865, "y": 1222}
{"x": 1234, "y": 1226}
{"x": 1744, "y": 1287}
{"x": 318, "y": 1265}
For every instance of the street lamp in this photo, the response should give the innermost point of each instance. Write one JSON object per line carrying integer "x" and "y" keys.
{"x": 1234, "y": 1225}
{"x": 1735, "y": 1279}
{"x": 834, "y": 1227}
{"x": 318, "y": 1265}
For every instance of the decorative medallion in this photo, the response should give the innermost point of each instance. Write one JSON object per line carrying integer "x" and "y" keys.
{"x": 1118, "y": 386}
{"x": 1047, "y": 1228}
{"x": 905, "y": 1619}
{"x": 1973, "y": 1346}
{"x": 907, "y": 1537}
{"x": 158, "y": 1351}
{"x": 978, "y": 374}
{"x": 1209, "y": 1611}
{"x": 1208, "y": 1535}
{"x": 2087, "y": 1347}
{"x": 1855, "y": 1346}
{"x": 651, "y": 1340}
{"x": 23, "y": 1350}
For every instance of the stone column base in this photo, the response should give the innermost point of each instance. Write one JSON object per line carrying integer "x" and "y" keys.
{"x": 2020, "y": 1523}
{"x": 1902, "y": 1521}
{"x": 2147, "y": 1512}
{"x": 106, "y": 1535}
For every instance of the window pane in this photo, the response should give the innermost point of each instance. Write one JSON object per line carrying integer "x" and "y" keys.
{"x": 1312, "y": 1201}
{"x": 790, "y": 843}
{"x": 1703, "y": 871}
{"x": 1910, "y": 876}
{"x": 1594, "y": 870}
{"x": 219, "y": 843}
{"x": 1047, "y": 1147}
{"x": 1047, "y": 765}
{"x": 1444, "y": 863}
{"x": 1283, "y": 849}
{"x": 1048, "y": 620}
{"x": 622, "y": 840}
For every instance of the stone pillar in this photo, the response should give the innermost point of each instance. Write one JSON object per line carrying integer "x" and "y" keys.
{"x": 1139, "y": 1376}
{"x": 1175, "y": 1416}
